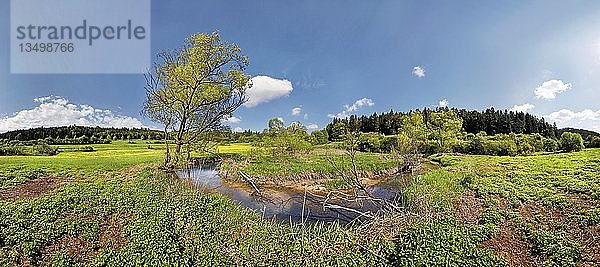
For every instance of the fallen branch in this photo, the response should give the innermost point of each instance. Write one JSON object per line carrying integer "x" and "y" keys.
{"x": 250, "y": 181}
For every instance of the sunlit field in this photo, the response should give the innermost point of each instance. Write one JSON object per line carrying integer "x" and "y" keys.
{"x": 482, "y": 210}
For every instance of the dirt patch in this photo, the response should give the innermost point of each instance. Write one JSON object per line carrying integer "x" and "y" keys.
{"x": 31, "y": 189}
{"x": 590, "y": 239}
{"x": 78, "y": 249}
{"x": 509, "y": 245}
{"x": 84, "y": 251}
{"x": 111, "y": 232}
{"x": 467, "y": 208}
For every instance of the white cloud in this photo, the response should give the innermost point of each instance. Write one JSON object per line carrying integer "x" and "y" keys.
{"x": 296, "y": 111}
{"x": 280, "y": 119}
{"x": 443, "y": 103}
{"x": 522, "y": 108}
{"x": 349, "y": 109}
{"x": 418, "y": 71}
{"x": 549, "y": 89}
{"x": 56, "y": 111}
{"x": 312, "y": 127}
{"x": 586, "y": 119}
{"x": 265, "y": 89}
{"x": 238, "y": 129}
{"x": 232, "y": 119}
{"x": 306, "y": 116}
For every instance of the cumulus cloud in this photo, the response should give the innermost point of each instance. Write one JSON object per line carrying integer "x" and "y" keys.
{"x": 418, "y": 71}
{"x": 232, "y": 119}
{"x": 522, "y": 108}
{"x": 312, "y": 127}
{"x": 296, "y": 111}
{"x": 586, "y": 119}
{"x": 549, "y": 89}
{"x": 238, "y": 129}
{"x": 54, "y": 111}
{"x": 349, "y": 109}
{"x": 443, "y": 103}
{"x": 265, "y": 89}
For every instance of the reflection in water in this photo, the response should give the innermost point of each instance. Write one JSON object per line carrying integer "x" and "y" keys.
{"x": 280, "y": 204}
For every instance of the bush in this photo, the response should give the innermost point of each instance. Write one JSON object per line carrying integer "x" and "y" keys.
{"x": 550, "y": 145}
{"x": 594, "y": 142}
{"x": 503, "y": 147}
{"x": 319, "y": 137}
{"x": 461, "y": 146}
{"x": 86, "y": 149}
{"x": 508, "y": 148}
{"x": 9, "y": 150}
{"x": 476, "y": 146}
{"x": 505, "y": 144}
{"x": 570, "y": 142}
{"x": 389, "y": 144}
{"x": 369, "y": 142}
{"x": 43, "y": 149}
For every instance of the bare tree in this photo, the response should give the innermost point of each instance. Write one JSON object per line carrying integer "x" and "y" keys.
{"x": 360, "y": 194}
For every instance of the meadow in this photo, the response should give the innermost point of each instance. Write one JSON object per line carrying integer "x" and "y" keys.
{"x": 113, "y": 207}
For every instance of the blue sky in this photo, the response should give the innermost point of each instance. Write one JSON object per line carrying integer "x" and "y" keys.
{"x": 357, "y": 57}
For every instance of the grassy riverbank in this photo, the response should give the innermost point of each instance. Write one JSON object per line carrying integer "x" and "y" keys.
{"x": 111, "y": 207}
{"x": 317, "y": 170}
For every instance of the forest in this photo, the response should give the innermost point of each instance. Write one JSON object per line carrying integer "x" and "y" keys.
{"x": 490, "y": 121}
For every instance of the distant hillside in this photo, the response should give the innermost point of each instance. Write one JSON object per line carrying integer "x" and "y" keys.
{"x": 73, "y": 132}
{"x": 586, "y": 134}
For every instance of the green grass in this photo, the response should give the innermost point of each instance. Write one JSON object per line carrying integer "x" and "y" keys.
{"x": 435, "y": 190}
{"x": 545, "y": 178}
{"x": 106, "y": 159}
{"x": 551, "y": 199}
{"x": 239, "y": 148}
{"x": 282, "y": 166}
{"x": 166, "y": 223}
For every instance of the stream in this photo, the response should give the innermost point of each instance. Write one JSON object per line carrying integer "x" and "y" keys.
{"x": 282, "y": 204}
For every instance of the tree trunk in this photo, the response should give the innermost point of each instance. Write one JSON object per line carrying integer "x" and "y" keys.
{"x": 167, "y": 154}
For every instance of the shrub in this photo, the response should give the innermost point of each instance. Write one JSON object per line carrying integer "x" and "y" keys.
{"x": 44, "y": 149}
{"x": 550, "y": 145}
{"x": 10, "y": 150}
{"x": 461, "y": 146}
{"x": 86, "y": 149}
{"x": 476, "y": 146}
{"x": 571, "y": 142}
{"x": 369, "y": 142}
{"x": 389, "y": 143}
{"x": 319, "y": 137}
{"x": 505, "y": 147}
{"x": 594, "y": 142}
{"x": 508, "y": 148}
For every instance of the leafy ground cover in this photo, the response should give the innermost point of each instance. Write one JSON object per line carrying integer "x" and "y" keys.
{"x": 473, "y": 210}
{"x": 548, "y": 203}
{"x": 150, "y": 219}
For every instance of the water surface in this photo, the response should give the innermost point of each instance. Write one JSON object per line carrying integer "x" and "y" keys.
{"x": 280, "y": 203}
